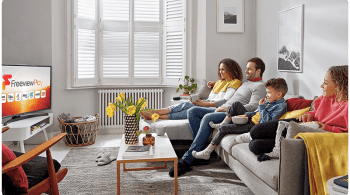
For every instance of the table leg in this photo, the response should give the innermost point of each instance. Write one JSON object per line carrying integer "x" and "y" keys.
{"x": 175, "y": 175}
{"x": 118, "y": 178}
{"x": 45, "y": 134}
{"x": 21, "y": 144}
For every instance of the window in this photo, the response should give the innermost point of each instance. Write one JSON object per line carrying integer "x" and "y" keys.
{"x": 128, "y": 42}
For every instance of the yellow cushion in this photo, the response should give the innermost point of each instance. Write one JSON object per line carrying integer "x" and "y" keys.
{"x": 295, "y": 113}
{"x": 255, "y": 118}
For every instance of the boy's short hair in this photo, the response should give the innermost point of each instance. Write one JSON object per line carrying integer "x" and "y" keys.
{"x": 278, "y": 84}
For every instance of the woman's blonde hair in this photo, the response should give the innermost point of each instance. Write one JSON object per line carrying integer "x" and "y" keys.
{"x": 339, "y": 75}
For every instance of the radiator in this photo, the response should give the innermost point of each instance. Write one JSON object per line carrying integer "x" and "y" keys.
{"x": 154, "y": 99}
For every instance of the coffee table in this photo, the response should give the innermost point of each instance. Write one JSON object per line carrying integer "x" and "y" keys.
{"x": 163, "y": 151}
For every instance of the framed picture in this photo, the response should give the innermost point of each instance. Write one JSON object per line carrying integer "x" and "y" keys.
{"x": 290, "y": 39}
{"x": 230, "y": 16}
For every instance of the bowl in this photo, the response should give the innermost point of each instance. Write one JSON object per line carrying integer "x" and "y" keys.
{"x": 239, "y": 120}
{"x": 311, "y": 124}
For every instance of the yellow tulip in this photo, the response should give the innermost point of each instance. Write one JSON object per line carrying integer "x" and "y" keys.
{"x": 110, "y": 114}
{"x": 155, "y": 116}
{"x": 131, "y": 110}
{"x": 139, "y": 100}
{"x": 118, "y": 99}
{"x": 144, "y": 105}
{"x": 121, "y": 95}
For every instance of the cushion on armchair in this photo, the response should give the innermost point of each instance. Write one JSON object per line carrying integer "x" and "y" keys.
{"x": 36, "y": 169}
{"x": 15, "y": 181}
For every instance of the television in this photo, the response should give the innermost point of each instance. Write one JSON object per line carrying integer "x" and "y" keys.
{"x": 25, "y": 89}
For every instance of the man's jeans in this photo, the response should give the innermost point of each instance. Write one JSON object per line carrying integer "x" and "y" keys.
{"x": 199, "y": 118}
{"x": 179, "y": 111}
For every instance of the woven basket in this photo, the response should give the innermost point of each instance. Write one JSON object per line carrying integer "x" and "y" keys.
{"x": 79, "y": 134}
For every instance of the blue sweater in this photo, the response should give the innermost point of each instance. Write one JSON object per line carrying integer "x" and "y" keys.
{"x": 271, "y": 111}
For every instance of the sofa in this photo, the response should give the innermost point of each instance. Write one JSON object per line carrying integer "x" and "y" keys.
{"x": 284, "y": 175}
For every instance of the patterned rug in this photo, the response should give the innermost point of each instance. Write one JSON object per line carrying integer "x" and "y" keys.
{"x": 86, "y": 177}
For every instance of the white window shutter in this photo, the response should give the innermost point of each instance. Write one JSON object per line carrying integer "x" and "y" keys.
{"x": 116, "y": 41}
{"x": 85, "y": 42}
{"x": 147, "y": 36}
{"x": 174, "y": 41}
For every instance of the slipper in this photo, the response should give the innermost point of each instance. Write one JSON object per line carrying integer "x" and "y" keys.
{"x": 100, "y": 154}
{"x": 104, "y": 160}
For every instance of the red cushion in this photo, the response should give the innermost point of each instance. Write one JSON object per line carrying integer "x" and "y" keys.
{"x": 17, "y": 176}
{"x": 297, "y": 104}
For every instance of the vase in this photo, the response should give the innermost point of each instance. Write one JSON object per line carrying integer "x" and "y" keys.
{"x": 130, "y": 129}
{"x": 148, "y": 140}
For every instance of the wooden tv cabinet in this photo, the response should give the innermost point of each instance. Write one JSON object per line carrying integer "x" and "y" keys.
{"x": 21, "y": 130}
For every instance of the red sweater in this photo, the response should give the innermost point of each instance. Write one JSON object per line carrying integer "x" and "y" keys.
{"x": 332, "y": 113}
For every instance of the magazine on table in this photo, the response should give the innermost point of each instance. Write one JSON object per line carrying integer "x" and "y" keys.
{"x": 341, "y": 184}
{"x": 135, "y": 152}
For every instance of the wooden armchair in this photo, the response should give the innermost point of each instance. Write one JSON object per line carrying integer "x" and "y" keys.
{"x": 48, "y": 185}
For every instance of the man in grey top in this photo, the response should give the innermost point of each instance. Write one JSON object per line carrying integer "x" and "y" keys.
{"x": 249, "y": 94}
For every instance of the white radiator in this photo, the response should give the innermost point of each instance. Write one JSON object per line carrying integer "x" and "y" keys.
{"x": 154, "y": 99}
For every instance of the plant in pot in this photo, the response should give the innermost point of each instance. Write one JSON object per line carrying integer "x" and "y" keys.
{"x": 188, "y": 85}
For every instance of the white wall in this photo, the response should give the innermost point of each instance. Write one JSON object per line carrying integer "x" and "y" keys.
{"x": 325, "y": 41}
{"x": 238, "y": 46}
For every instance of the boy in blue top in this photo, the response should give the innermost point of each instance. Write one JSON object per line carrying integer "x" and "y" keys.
{"x": 270, "y": 108}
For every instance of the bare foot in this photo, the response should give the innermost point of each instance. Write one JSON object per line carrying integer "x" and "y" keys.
{"x": 146, "y": 115}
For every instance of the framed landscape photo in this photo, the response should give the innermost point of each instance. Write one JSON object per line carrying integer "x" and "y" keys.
{"x": 230, "y": 16}
{"x": 290, "y": 39}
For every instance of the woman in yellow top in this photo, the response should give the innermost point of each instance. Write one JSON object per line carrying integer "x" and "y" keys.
{"x": 230, "y": 77}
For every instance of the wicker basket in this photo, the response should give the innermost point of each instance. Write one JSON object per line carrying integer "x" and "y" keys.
{"x": 79, "y": 134}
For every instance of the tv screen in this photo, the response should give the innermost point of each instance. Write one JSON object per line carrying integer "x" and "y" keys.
{"x": 25, "y": 88}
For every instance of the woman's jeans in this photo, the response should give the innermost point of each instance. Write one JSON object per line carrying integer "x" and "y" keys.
{"x": 199, "y": 118}
{"x": 179, "y": 111}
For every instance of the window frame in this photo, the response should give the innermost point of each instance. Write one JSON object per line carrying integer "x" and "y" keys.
{"x": 71, "y": 53}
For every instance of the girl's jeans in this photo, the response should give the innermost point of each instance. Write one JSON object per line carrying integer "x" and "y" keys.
{"x": 179, "y": 111}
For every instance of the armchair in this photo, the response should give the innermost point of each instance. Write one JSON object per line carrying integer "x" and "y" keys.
{"x": 48, "y": 185}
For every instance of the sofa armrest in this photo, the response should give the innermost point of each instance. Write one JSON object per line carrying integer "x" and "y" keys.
{"x": 291, "y": 170}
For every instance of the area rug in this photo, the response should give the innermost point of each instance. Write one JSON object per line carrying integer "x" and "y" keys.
{"x": 86, "y": 177}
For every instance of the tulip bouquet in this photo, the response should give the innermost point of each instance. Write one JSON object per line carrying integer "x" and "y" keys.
{"x": 129, "y": 108}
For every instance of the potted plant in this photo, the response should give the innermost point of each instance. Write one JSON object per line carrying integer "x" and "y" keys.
{"x": 188, "y": 85}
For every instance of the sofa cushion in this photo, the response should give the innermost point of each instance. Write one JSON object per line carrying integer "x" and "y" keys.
{"x": 227, "y": 142}
{"x": 176, "y": 129}
{"x": 267, "y": 171}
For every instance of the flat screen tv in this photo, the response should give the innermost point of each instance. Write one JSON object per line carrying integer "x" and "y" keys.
{"x": 25, "y": 89}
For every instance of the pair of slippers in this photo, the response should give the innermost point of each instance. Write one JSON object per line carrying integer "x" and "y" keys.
{"x": 104, "y": 158}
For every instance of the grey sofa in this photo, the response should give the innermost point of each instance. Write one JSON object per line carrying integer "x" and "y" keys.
{"x": 277, "y": 176}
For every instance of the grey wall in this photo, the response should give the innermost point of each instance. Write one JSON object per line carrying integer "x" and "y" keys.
{"x": 238, "y": 46}
{"x": 325, "y": 41}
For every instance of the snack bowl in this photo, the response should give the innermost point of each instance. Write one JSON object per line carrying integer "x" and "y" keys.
{"x": 239, "y": 120}
{"x": 311, "y": 124}
{"x": 194, "y": 97}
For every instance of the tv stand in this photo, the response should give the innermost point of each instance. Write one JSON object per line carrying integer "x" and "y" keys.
{"x": 21, "y": 130}
{"x": 17, "y": 118}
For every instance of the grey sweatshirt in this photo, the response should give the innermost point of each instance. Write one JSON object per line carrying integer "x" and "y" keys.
{"x": 249, "y": 94}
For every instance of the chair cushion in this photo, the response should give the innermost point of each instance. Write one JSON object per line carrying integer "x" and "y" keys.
{"x": 267, "y": 171}
{"x": 15, "y": 181}
{"x": 36, "y": 169}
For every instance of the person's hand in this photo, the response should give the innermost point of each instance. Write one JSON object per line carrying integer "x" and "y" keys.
{"x": 211, "y": 84}
{"x": 262, "y": 101}
{"x": 221, "y": 109}
{"x": 305, "y": 118}
{"x": 322, "y": 125}
{"x": 199, "y": 103}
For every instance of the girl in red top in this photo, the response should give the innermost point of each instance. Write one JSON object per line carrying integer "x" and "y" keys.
{"x": 330, "y": 112}
{"x": 331, "y": 108}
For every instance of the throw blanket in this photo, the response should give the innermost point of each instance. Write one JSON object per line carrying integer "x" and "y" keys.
{"x": 327, "y": 157}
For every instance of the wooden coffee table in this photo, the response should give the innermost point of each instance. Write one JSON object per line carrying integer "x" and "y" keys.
{"x": 163, "y": 151}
